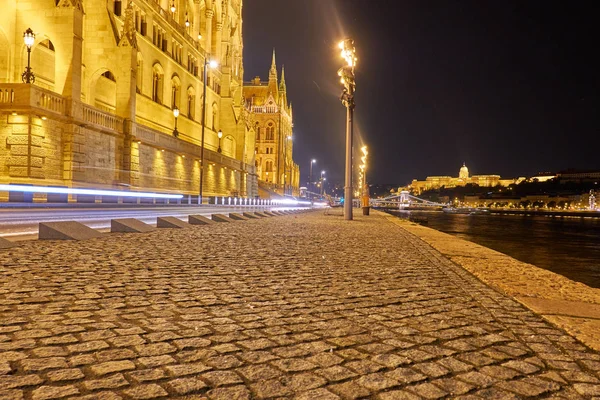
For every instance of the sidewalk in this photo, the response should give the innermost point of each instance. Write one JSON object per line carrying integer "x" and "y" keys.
{"x": 303, "y": 306}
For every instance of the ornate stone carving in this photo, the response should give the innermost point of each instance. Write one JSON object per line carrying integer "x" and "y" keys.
{"x": 70, "y": 3}
{"x": 129, "y": 38}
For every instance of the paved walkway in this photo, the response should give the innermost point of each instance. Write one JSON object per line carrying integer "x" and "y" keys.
{"x": 307, "y": 307}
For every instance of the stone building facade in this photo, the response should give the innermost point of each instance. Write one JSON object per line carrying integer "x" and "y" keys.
{"x": 108, "y": 75}
{"x": 273, "y": 125}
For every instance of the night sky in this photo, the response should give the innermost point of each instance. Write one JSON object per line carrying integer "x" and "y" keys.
{"x": 510, "y": 88}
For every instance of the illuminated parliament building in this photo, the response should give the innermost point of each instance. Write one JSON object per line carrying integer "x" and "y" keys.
{"x": 116, "y": 99}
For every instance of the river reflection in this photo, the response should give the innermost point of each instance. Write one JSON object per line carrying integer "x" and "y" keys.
{"x": 565, "y": 245}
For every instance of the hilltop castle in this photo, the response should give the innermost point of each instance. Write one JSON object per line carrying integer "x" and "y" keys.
{"x": 436, "y": 182}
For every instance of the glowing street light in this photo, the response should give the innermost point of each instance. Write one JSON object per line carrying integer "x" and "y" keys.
{"x": 219, "y": 135}
{"x": 29, "y": 39}
{"x": 363, "y": 181}
{"x": 310, "y": 174}
{"x": 346, "y": 74}
{"x": 176, "y": 115}
{"x": 212, "y": 64}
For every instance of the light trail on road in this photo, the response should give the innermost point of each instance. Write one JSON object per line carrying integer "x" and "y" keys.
{"x": 22, "y": 223}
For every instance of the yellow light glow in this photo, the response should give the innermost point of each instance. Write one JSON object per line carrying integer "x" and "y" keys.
{"x": 341, "y": 44}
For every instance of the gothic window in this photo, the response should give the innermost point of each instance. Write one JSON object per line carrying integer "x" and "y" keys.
{"x": 269, "y": 166}
{"x": 270, "y": 132}
{"x": 175, "y": 91}
{"x": 191, "y": 105}
{"x": 214, "y": 116}
{"x": 157, "y": 83}
{"x": 258, "y": 133}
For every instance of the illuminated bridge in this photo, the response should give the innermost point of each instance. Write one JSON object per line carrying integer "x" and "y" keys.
{"x": 404, "y": 200}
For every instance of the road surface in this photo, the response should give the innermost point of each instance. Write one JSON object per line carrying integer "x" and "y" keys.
{"x": 22, "y": 223}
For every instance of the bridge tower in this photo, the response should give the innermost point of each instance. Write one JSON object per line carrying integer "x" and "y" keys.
{"x": 404, "y": 199}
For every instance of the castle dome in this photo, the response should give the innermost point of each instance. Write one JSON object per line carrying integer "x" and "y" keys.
{"x": 464, "y": 172}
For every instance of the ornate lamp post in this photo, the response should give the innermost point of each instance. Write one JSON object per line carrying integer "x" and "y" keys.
{"x": 219, "y": 135}
{"x": 346, "y": 74}
{"x": 29, "y": 39}
{"x": 176, "y": 115}
{"x": 211, "y": 64}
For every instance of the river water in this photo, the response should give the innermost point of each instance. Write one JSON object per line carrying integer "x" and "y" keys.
{"x": 569, "y": 246}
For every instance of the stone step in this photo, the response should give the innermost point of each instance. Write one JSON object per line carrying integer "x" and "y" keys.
{"x": 171, "y": 222}
{"x": 66, "y": 230}
{"x": 221, "y": 218}
{"x": 238, "y": 217}
{"x": 200, "y": 220}
{"x": 129, "y": 225}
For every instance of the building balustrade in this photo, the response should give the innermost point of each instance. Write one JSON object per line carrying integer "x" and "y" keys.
{"x": 22, "y": 96}
{"x": 92, "y": 115}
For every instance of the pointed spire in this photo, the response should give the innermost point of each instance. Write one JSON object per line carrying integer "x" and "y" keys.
{"x": 282, "y": 83}
{"x": 273, "y": 70}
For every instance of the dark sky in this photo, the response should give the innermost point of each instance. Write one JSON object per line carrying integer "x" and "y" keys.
{"x": 509, "y": 87}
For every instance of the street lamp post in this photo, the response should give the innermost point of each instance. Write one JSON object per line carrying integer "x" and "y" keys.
{"x": 346, "y": 74}
{"x": 321, "y": 182}
{"x": 310, "y": 174}
{"x": 219, "y": 135}
{"x": 212, "y": 64}
{"x": 176, "y": 115}
{"x": 29, "y": 39}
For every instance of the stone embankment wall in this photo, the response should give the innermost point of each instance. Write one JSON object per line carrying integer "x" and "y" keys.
{"x": 570, "y": 305}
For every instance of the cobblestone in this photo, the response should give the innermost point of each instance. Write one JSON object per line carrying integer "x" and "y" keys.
{"x": 305, "y": 307}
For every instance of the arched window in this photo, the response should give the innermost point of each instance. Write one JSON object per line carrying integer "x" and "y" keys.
{"x": 175, "y": 91}
{"x": 157, "y": 83}
{"x": 215, "y": 116}
{"x": 191, "y": 103}
{"x": 43, "y": 63}
{"x": 270, "y": 131}
{"x": 258, "y": 133}
{"x": 269, "y": 166}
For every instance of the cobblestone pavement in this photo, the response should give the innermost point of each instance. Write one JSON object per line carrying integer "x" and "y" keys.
{"x": 307, "y": 307}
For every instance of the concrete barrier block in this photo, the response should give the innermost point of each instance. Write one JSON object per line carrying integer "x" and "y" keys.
{"x": 171, "y": 222}
{"x": 66, "y": 230}
{"x": 260, "y": 215}
{"x": 221, "y": 218}
{"x": 200, "y": 220}
{"x": 238, "y": 217}
{"x": 269, "y": 214}
{"x": 250, "y": 215}
{"x": 6, "y": 244}
{"x": 130, "y": 225}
